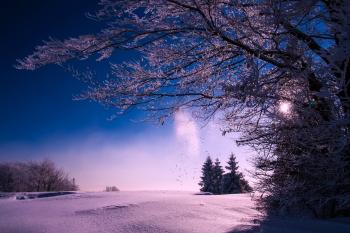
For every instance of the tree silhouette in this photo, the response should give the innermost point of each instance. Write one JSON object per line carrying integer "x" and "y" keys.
{"x": 233, "y": 180}
{"x": 218, "y": 172}
{"x": 207, "y": 181}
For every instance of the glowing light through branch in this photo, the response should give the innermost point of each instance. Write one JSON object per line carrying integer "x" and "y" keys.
{"x": 285, "y": 107}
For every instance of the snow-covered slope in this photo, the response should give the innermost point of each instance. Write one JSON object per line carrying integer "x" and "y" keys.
{"x": 147, "y": 212}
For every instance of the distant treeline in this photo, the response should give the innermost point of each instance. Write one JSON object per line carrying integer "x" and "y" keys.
{"x": 111, "y": 189}
{"x": 32, "y": 176}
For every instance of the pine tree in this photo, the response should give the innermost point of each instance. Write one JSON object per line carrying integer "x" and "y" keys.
{"x": 206, "y": 182}
{"x": 233, "y": 181}
{"x": 218, "y": 172}
{"x": 232, "y": 165}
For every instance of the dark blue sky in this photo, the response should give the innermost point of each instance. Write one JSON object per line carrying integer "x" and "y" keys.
{"x": 38, "y": 104}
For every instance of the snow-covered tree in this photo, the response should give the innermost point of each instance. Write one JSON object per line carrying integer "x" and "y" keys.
{"x": 34, "y": 177}
{"x": 207, "y": 181}
{"x": 218, "y": 173}
{"x": 277, "y": 71}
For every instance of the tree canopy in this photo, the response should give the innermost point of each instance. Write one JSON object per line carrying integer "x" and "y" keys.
{"x": 34, "y": 177}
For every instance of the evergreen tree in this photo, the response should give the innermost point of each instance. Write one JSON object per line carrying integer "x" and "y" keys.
{"x": 206, "y": 182}
{"x": 233, "y": 181}
{"x": 218, "y": 172}
{"x": 232, "y": 165}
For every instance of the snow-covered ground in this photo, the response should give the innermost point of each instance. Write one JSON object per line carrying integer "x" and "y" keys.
{"x": 156, "y": 211}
